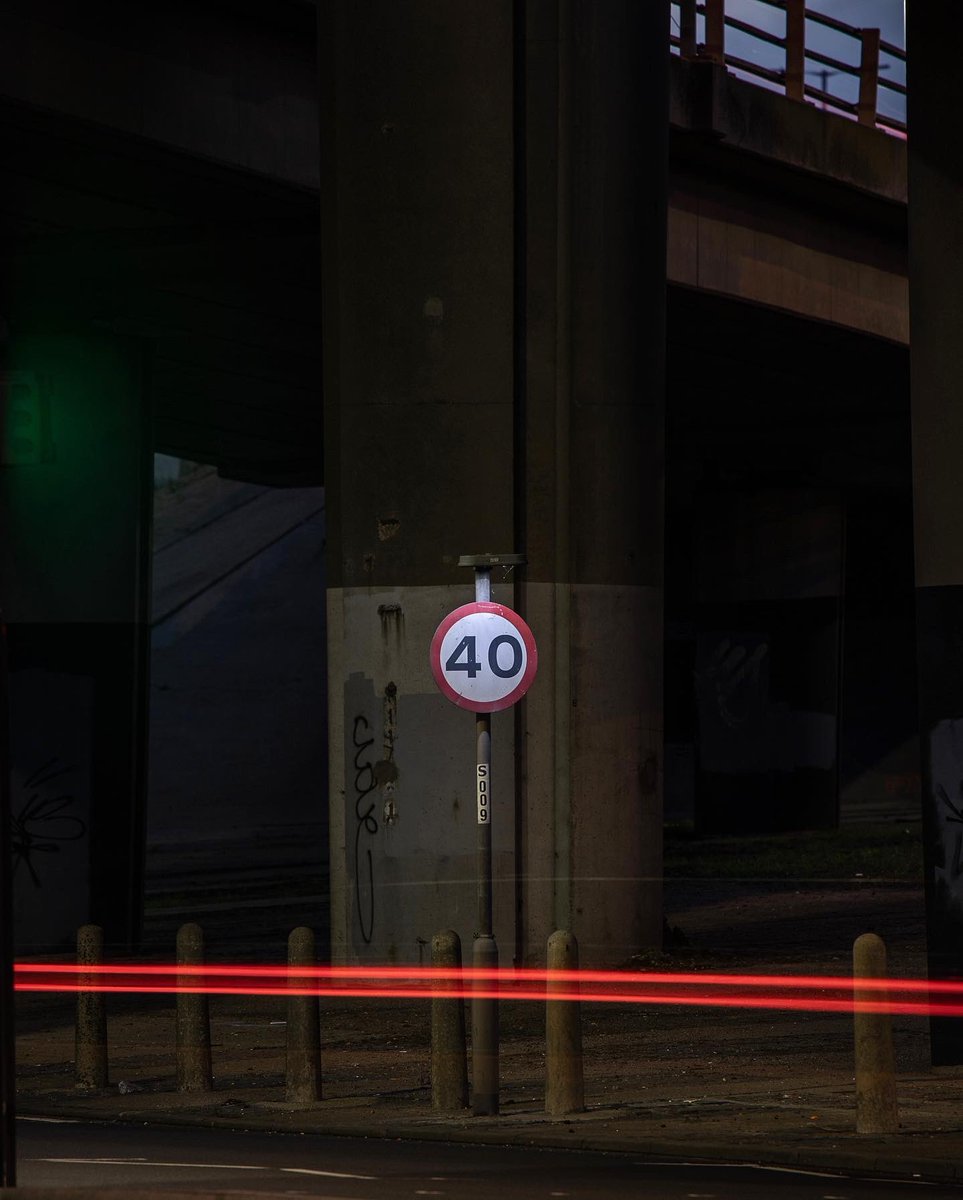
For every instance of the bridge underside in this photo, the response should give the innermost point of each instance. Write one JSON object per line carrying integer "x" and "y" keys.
{"x": 790, "y": 641}
{"x": 212, "y": 271}
{"x": 183, "y": 299}
{"x": 152, "y": 301}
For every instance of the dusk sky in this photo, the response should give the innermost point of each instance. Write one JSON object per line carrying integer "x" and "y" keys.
{"x": 886, "y": 15}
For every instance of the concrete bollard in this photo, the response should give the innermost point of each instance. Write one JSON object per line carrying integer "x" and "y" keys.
{"x": 876, "y": 1110}
{"x": 303, "y": 1074}
{"x": 91, "y": 1036}
{"x": 449, "y": 1061}
{"x": 564, "y": 1082}
{"x": 193, "y": 1017}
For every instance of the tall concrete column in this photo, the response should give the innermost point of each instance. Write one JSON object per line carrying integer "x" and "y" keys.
{"x": 936, "y": 365}
{"x": 493, "y": 180}
{"x": 596, "y": 138}
{"x": 417, "y": 261}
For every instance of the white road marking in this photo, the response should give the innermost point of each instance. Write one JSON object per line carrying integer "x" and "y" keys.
{"x": 53, "y": 1120}
{"x": 143, "y": 1162}
{"x": 122, "y": 1161}
{"x": 327, "y": 1174}
{"x": 742, "y": 1166}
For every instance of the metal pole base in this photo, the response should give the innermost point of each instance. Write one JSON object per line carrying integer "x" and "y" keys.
{"x": 484, "y": 1035}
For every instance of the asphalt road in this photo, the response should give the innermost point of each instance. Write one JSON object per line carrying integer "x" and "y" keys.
{"x": 77, "y": 1154}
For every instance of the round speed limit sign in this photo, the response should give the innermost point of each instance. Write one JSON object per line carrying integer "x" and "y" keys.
{"x": 483, "y": 657}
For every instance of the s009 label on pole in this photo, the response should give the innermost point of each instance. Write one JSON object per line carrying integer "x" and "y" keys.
{"x": 483, "y": 657}
{"x": 484, "y": 795}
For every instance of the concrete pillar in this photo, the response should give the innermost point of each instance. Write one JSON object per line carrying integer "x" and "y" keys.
{"x": 936, "y": 364}
{"x": 8, "y": 1046}
{"x": 493, "y": 252}
{"x": 417, "y": 260}
{"x": 591, "y": 817}
{"x": 75, "y": 509}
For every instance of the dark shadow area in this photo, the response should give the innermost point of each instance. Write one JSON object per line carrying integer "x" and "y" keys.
{"x": 237, "y": 826}
{"x": 790, "y": 676}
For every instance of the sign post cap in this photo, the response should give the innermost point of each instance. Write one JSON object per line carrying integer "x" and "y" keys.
{"x": 491, "y": 560}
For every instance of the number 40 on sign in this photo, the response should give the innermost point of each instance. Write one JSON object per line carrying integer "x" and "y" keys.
{"x": 483, "y": 657}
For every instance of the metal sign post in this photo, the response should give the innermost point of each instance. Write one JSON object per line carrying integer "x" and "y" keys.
{"x": 484, "y": 1012}
{"x": 8, "y": 1158}
{"x": 483, "y": 658}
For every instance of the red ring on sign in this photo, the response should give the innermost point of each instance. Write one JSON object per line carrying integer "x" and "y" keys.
{"x": 520, "y": 627}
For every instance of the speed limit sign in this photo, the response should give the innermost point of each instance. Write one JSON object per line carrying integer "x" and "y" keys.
{"x": 483, "y": 657}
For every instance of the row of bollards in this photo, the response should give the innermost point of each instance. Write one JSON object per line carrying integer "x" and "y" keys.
{"x": 193, "y": 1020}
{"x": 876, "y": 1105}
{"x": 564, "y": 1086}
{"x": 564, "y": 1089}
{"x": 875, "y": 1076}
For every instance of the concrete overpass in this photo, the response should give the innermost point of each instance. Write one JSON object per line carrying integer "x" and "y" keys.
{"x": 534, "y": 225}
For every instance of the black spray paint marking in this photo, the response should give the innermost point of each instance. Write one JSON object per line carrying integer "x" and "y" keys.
{"x": 733, "y": 676}
{"x": 364, "y": 784}
{"x": 42, "y": 821}
{"x": 386, "y": 771}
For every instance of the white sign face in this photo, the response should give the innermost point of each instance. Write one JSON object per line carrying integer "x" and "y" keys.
{"x": 483, "y": 657}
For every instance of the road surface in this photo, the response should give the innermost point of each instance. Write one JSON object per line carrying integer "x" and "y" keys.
{"x": 74, "y": 1153}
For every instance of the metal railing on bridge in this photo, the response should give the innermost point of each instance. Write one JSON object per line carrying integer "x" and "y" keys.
{"x": 780, "y": 61}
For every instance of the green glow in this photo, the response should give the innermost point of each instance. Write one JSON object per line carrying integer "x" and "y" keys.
{"x": 70, "y": 487}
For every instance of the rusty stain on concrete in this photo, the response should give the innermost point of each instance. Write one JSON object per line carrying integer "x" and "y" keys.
{"x": 386, "y": 771}
{"x": 649, "y": 776}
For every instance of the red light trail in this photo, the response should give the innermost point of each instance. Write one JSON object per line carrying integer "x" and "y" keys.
{"x": 799, "y": 993}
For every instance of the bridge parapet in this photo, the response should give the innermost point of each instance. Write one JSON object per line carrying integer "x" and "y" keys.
{"x": 788, "y": 54}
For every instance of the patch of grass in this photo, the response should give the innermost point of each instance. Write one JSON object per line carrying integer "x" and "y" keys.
{"x": 892, "y": 852}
